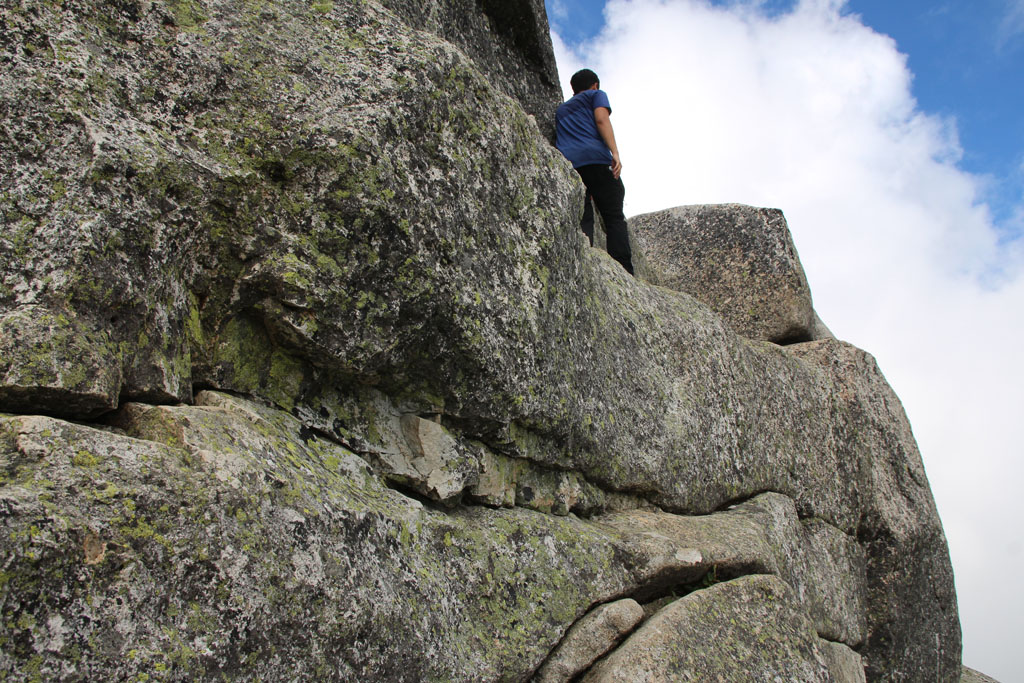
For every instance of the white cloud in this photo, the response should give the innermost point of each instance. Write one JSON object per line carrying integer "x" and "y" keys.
{"x": 559, "y": 11}
{"x": 812, "y": 112}
{"x": 1012, "y": 25}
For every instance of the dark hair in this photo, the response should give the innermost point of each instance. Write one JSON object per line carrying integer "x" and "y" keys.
{"x": 582, "y": 80}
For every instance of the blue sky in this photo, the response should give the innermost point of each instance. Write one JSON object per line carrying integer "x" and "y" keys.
{"x": 967, "y": 58}
{"x": 891, "y": 134}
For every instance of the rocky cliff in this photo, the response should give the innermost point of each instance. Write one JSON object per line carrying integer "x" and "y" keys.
{"x": 307, "y": 373}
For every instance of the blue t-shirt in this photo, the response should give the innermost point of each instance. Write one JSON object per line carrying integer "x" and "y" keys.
{"x": 576, "y": 131}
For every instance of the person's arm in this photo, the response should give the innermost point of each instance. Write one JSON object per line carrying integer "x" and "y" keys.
{"x": 602, "y": 117}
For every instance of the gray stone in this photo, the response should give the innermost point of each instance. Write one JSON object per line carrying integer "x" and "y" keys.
{"x": 224, "y": 538}
{"x": 825, "y": 567}
{"x": 54, "y": 363}
{"x": 496, "y": 483}
{"x": 439, "y": 467}
{"x": 901, "y": 534}
{"x": 230, "y": 527}
{"x": 246, "y": 492}
{"x": 746, "y": 629}
{"x": 844, "y": 665}
{"x": 819, "y": 330}
{"x": 508, "y": 40}
{"x": 739, "y": 260}
{"x": 972, "y": 676}
{"x": 590, "y": 638}
{"x": 504, "y": 481}
{"x": 323, "y": 208}
{"x": 557, "y": 492}
{"x": 832, "y": 578}
{"x": 169, "y": 206}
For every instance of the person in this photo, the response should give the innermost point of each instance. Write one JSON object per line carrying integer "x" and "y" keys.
{"x": 584, "y": 135}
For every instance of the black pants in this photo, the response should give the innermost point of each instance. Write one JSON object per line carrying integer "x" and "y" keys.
{"x": 607, "y": 192}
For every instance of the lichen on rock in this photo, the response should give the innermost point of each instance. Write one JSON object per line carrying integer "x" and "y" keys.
{"x": 336, "y": 389}
{"x": 739, "y": 260}
{"x": 763, "y": 637}
{"x": 52, "y": 362}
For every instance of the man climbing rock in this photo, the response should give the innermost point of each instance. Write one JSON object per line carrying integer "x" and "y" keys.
{"x": 585, "y": 136}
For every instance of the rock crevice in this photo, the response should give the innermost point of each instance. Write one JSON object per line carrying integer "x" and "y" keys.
{"x": 350, "y": 214}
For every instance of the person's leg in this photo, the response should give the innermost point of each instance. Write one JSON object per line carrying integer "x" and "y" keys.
{"x": 587, "y": 224}
{"x": 609, "y": 193}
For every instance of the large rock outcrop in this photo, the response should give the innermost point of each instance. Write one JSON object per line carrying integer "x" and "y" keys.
{"x": 226, "y": 539}
{"x": 307, "y": 369}
{"x": 508, "y": 41}
{"x": 769, "y": 640}
{"x": 739, "y": 260}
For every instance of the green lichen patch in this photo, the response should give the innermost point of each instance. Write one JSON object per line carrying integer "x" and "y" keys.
{"x": 52, "y": 362}
{"x": 309, "y": 206}
{"x": 188, "y": 14}
{"x": 242, "y": 543}
{"x": 244, "y": 359}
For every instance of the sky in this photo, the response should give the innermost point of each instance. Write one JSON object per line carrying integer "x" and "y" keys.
{"x": 892, "y": 136}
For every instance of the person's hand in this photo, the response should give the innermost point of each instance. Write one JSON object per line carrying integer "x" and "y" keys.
{"x": 616, "y": 166}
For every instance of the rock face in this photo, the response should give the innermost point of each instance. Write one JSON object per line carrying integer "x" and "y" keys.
{"x": 769, "y": 640}
{"x": 739, "y": 260}
{"x": 972, "y": 676}
{"x": 224, "y": 538}
{"x": 591, "y": 637}
{"x": 308, "y": 372}
{"x": 508, "y": 41}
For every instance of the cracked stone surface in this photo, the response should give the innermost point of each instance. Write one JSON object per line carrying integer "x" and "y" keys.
{"x": 247, "y": 247}
{"x": 229, "y": 516}
{"x": 844, "y": 664}
{"x": 764, "y": 535}
{"x": 763, "y": 639}
{"x": 591, "y": 637}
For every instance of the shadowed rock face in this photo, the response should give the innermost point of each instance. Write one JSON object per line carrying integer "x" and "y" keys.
{"x": 899, "y": 520}
{"x": 508, "y": 41}
{"x": 343, "y": 213}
